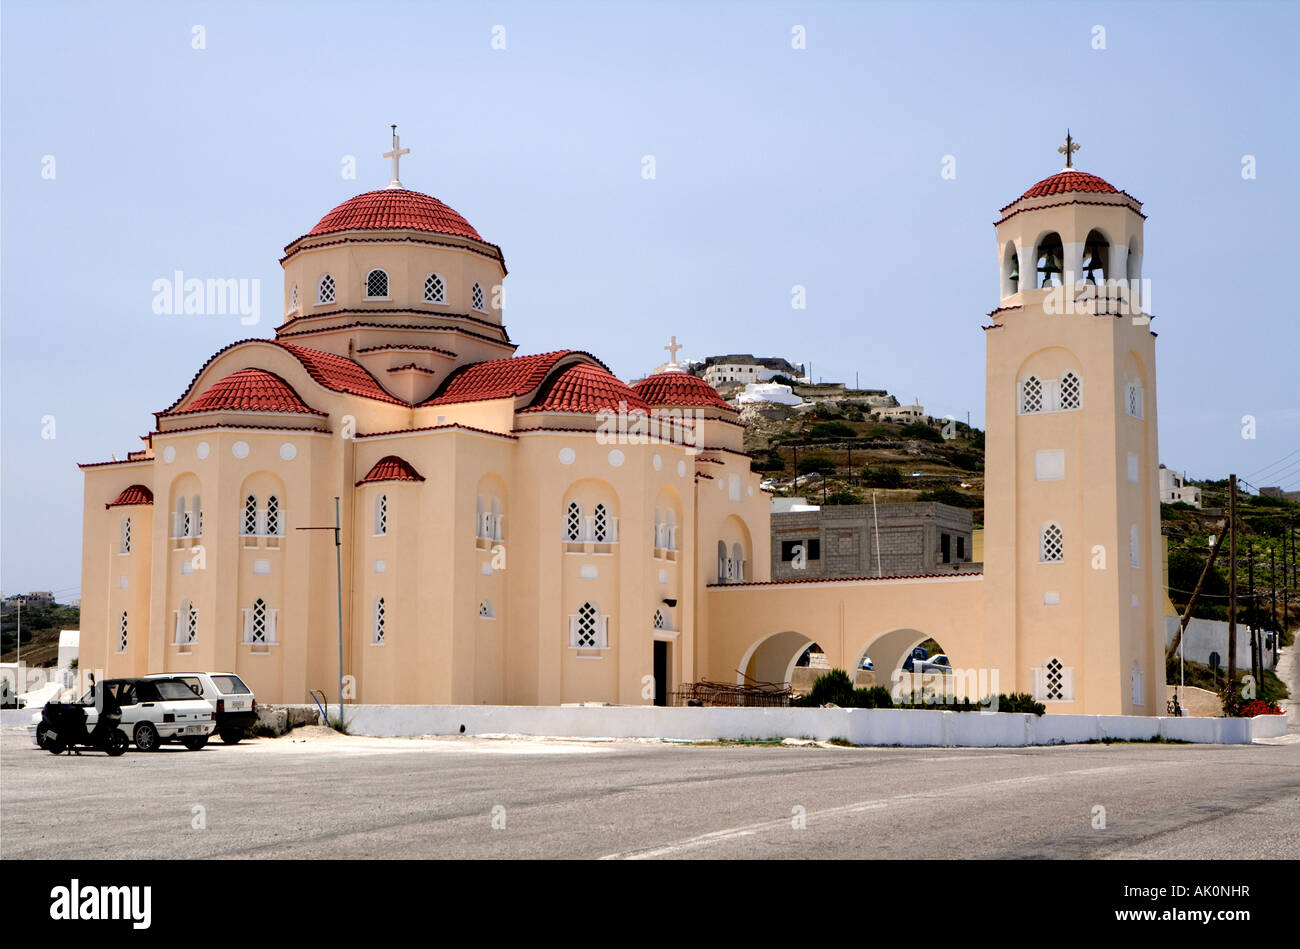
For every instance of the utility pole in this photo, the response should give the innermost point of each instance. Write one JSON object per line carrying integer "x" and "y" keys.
{"x": 19, "y": 640}
{"x": 1272, "y": 572}
{"x": 338, "y": 569}
{"x": 1255, "y": 667}
{"x": 1232, "y": 579}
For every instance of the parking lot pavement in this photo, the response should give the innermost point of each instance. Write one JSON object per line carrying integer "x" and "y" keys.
{"x": 315, "y": 794}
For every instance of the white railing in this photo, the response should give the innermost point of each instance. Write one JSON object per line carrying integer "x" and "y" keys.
{"x": 665, "y": 537}
{"x": 490, "y": 526}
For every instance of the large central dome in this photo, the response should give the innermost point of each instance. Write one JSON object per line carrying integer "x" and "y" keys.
{"x": 395, "y": 209}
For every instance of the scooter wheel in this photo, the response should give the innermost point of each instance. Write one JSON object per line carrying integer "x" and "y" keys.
{"x": 116, "y": 743}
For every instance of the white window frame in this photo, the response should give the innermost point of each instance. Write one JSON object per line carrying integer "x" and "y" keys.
{"x": 1042, "y": 691}
{"x": 124, "y": 542}
{"x": 1134, "y": 547}
{"x": 381, "y": 515}
{"x": 599, "y": 629}
{"x": 441, "y": 297}
{"x": 293, "y": 299}
{"x": 123, "y": 628}
{"x": 379, "y": 622}
{"x": 478, "y": 298}
{"x": 1043, "y": 542}
{"x": 485, "y": 610}
{"x": 1133, "y": 398}
{"x": 1078, "y": 392}
{"x": 326, "y": 290}
{"x": 388, "y": 285}
{"x": 268, "y": 624}
{"x": 274, "y": 516}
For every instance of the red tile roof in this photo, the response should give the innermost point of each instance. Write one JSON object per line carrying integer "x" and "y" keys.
{"x": 338, "y": 373}
{"x": 135, "y": 494}
{"x": 394, "y": 209}
{"x": 499, "y": 378}
{"x": 248, "y": 390}
{"x": 391, "y": 468}
{"x": 583, "y": 387}
{"x": 1070, "y": 181}
{"x": 679, "y": 389}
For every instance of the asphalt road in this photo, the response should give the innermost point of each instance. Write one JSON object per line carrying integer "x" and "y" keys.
{"x": 331, "y": 796}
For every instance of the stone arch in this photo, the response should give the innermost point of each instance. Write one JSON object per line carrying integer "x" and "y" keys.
{"x": 667, "y": 519}
{"x": 1049, "y": 260}
{"x": 180, "y": 498}
{"x": 1010, "y": 269}
{"x": 734, "y": 532}
{"x": 490, "y": 507}
{"x": 1095, "y": 264}
{"x": 592, "y": 495}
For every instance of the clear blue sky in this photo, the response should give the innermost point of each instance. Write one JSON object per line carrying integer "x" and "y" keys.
{"x": 775, "y": 167}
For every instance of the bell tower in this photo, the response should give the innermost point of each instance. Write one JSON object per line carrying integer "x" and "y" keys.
{"x": 1074, "y": 593}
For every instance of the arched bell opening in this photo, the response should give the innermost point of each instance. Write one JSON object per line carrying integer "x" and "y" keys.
{"x": 1096, "y": 258}
{"x": 1010, "y": 271}
{"x": 1050, "y": 256}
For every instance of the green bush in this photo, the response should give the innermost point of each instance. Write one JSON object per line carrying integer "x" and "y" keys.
{"x": 816, "y": 463}
{"x": 886, "y": 477}
{"x": 966, "y": 460}
{"x": 833, "y": 687}
{"x": 875, "y": 697}
{"x": 922, "y": 431}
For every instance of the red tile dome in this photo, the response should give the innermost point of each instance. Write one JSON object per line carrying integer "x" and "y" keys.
{"x": 393, "y": 209}
{"x": 390, "y": 468}
{"x": 1070, "y": 180}
{"x": 583, "y": 387}
{"x": 248, "y": 390}
{"x": 135, "y": 494}
{"x": 679, "y": 389}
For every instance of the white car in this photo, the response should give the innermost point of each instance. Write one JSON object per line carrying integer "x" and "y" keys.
{"x": 232, "y": 700}
{"x": 154, "y": 710}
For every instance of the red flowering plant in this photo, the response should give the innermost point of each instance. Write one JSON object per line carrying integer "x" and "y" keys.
{"x": 1259, "y": 707}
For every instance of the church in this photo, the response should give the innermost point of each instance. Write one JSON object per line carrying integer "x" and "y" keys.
{"x": 531, "y": 530}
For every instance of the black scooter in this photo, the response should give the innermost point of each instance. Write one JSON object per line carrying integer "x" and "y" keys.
{"x": 63, "y": 728}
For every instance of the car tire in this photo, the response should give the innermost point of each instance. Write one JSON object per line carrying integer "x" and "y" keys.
{"x": 232, "y": 736}
{"x": 195, "y": 742}
{"x": 116, "y": 743}
{"x": 146, "y": 737}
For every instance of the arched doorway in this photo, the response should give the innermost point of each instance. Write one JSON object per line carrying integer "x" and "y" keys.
{"x": 773, "y": 658}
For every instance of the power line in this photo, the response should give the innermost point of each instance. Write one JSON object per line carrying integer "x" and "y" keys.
{"x": 1275, "y": 464}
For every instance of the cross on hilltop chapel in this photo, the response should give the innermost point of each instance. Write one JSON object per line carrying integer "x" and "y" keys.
{"x": 1068, "y": 149}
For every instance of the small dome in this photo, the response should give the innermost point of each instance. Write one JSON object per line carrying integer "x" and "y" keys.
{"x": 395, "y": 209}
{"x": 135, "y": 494}
{"x": 248, "y": 390}
{"x": 583, "y": 387}
{"x": 1064, "y": 181}
{"x": 674, "y": 389}
{"x": 390, "y": 468}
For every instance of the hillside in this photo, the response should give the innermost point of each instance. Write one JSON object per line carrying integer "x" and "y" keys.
{"x": 857, "y": 454}
{"x": 41, "y": 626}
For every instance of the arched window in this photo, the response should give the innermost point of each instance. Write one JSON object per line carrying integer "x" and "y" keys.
{"x": 477, "y": 300}
{"x": 1134, "y": 557}
{"x": 293, "y": 298}
{"x": 274, "y": 525}
{"x": 1031, "y": 395}
{"x": 1049, "y": 257}
{"x": 121, "y": 632}
{"x": 125, "y": 546}
{"x": 377, "y": 285}
{"x": 377, "y": 635}
{"x": 1051, "y": 544}
{"x": 587, "y": 628}
{"x": 737, "y": 563}
{"x": 435, "y": 290}
{"x": 1134, "y": 262}
{"x": 248, "y": 527}
{"x": 662, "y": 620}
{"x": 187, "y": 624}
{"x": 600, "y": 525}
{"x": 1071, "y": 391}
{"x": 381, "y": 515}
{"x": 670, "y": 530}
{"x": 485, "y": 609}
{"x": 1133, "y": 400}
{"x": 1096, "y": 258}
{"x": 723, "y": 573}
{"x": 573, "y": 523}
{"x": 255, "y": 623}
{"x": 1055, "y": 683}
{"x": 196, "y": 517}
{"x": 325, "y": 290}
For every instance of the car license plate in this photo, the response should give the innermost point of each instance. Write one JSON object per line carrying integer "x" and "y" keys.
{"x": 51, "y": 735}
{"x": 192, "y": 729}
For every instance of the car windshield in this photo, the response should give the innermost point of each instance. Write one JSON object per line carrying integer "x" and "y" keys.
{"x": 230, "y": 684}
{"x": 173, "y": 690}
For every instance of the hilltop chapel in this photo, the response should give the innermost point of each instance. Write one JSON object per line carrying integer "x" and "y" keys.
{"x": 531, "y": 530}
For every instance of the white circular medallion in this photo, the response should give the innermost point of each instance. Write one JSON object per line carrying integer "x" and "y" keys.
{"x": 616, "y": 458}
{"x": 658, "y": 462}
{"x": 289, "y": 452}
{"x": 681, "y": 469}
{"x": 240, "y": 449}
{"x": 202, "y": 450}
{"x": 169, "y": 454}
{"x": 567, "y": 456}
